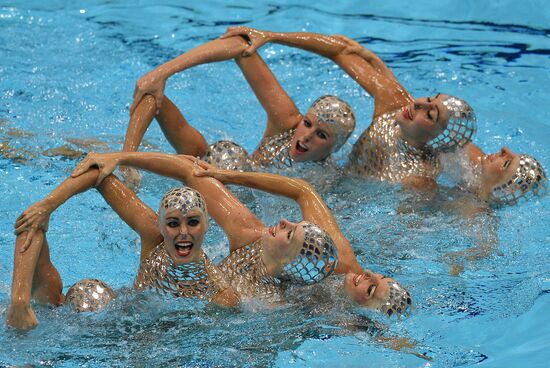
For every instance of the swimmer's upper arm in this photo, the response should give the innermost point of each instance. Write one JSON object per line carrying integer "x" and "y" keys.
{"x": 282, "y": 113}
{"x": 133, "y": 211}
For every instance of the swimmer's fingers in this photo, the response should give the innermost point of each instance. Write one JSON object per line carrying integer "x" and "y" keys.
{"x": 105, "y": 169}
{"x": 84, "y": 165}
{"x": 137, "y": 98}
{"x": 34, "y": 237}
{"x": 152, "y": 84}
{"x": 201, "y": 168}
{"x": 256, "y": 38}
{"x": 350, "y": 46}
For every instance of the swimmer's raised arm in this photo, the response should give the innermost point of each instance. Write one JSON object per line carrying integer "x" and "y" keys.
{"x": 364, "y": 66}
{"x": 282, "y": 113}
{"x": 240, "y": 225}
{"x": 154, "y": 82}
{"x": 312, "y": 205}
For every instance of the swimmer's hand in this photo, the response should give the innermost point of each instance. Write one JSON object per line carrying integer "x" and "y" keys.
{"x": 201, "y": 168}
{"x": 35, "y": 220}
{"x": 131, "y": 176}
{"x": 354, "y": 47}
{"x": 152, "y": 83}
{"x": 21, "y": 317}
{"x": 105, "y": 162}
{"x": 255, "y": 37}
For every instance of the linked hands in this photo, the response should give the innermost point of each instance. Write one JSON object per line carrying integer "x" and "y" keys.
{"x": 152, "y": 83}
{"x": 256, "y": 38}
{"x": 201, "y": 169}
{"x": 353, "y": 47}
{"x": 105, "y": 162}
{"x": 35, "y": 220}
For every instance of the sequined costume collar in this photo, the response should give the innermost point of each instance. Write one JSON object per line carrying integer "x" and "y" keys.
{"x": 274, "y": 151}
{"x": 200, "y": 279}
{"x": 380, "y": 152}
{"x": 247, "y": 273}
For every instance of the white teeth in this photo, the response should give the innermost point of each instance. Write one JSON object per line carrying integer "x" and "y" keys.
{"x": 301, "y": 146}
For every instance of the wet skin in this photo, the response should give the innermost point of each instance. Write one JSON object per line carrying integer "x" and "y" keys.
{"x": 313, "y": 140}
{"x": 183, "y": 234}
{"x": 367, "y": 289}
{"x": 282, "y": 243}
{"x": 497, "y": 169}
{"x": 423, "y": 119}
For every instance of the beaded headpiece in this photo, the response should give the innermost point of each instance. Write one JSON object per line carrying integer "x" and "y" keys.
{"x": 228, "y": 156}
{"x": 528, "y": 181}
{"x": 338, "y": 115}
{"x": 460, "y": 128}
{"x": 89, "y": 295}
{"x": 399, "y": 300}
{"x": 316, "y": 259}
{"x": 184, "y": 199}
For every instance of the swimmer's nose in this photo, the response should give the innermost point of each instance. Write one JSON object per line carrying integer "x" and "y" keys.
{"x": 183, "y": 230}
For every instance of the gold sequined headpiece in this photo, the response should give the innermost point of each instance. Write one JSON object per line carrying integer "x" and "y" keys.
{"x": 528, "y": 181}
{"x": 338, "y": 115}
{"x": 228, "y": 156}
{"x": 89, "y": 295}
{"x": 460, "y": 128}
{"x": 316, "y": 260}
{"x": 184, "y": 199}
{"x": 399, "y": 300}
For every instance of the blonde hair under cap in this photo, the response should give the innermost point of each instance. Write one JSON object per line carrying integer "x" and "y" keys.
{"x": 339, "y": 116}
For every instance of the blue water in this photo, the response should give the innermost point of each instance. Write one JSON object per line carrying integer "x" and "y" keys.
{"x": 68, "y": 71}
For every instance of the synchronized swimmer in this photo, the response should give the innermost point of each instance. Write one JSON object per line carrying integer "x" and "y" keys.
{"x": 404, "y": 144}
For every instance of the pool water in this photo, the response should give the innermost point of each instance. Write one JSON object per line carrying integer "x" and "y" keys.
{"x": 68, "y": 72}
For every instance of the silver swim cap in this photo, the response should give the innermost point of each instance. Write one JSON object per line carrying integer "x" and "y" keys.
{"x": 228, "y": 156}
{"x": 399, "y": 300}
{"x": 338, "y": 115}
{"x": 316, "y": 259}
{"x": 184, "y": 199}
{"x": 89, "y": 295}
{"x": 528, "y": 181}
{"x": 460, "y": 128}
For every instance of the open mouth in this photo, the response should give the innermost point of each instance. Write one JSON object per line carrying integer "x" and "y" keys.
{"x": 407, "y": 114}
{"x": 183, "y": 249}
{"x": 358, "y": 279}
{"x": 300, "y": 148}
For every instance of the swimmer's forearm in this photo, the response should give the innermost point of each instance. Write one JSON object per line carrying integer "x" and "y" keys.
{"x": 24, "y": 265}
{"x": 272, "y": 183}
{"x": 69, "y": 188}
{"x": 172, "y": 166}
{"x": 139, "y": 123}
{"x": 213, "y": 51}
{"x": 326, "y": 46}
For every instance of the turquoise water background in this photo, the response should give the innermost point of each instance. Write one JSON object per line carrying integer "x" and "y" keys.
{"x": 68, "y": 71}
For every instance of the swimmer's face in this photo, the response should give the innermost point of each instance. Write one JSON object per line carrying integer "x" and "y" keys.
{"x": 368, "y": 289}
{"x": 282, "y": 243}
{"x": 313, "y": 139}
{"x": 424, "y": 119}
{"x": 183, "y": 234}
{"x": 498, "y": 168}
